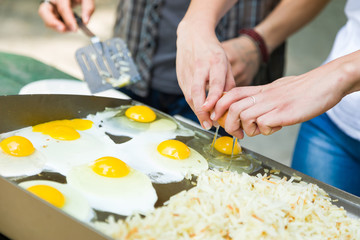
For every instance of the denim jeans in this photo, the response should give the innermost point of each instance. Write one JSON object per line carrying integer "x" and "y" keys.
{"x": 326, "y": 153}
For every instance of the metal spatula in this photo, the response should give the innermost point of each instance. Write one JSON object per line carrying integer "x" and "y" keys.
{"x": 107, "y": 64}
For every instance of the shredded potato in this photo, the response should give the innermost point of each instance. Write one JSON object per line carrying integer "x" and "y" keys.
{"x": 228, "y": 205}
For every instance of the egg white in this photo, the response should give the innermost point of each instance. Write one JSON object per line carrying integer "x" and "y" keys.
{"x": 63, "y": 155}
{"x": 11, "y": 166}
{"x": 60, "y": 156}
{"x": 75, "y": 204}
{"x": 143, "y": 155}
{"x": 113, "y": 121}
{"x": 130, "y": 194}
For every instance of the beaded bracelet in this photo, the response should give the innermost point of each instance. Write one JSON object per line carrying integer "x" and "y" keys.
{"x": 259, "y": 41}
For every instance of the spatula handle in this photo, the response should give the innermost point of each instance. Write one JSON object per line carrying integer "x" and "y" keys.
{"x": 83, "y": 27}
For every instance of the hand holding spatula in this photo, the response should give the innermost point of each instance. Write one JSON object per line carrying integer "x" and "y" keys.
{"x": 105, "y": 65}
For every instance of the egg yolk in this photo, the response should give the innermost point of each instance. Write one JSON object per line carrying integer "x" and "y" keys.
{"x": 110, "y": 167}
{"x": 141, "y": 114}
{"x": 64, "y": 129}
{"x": 49, "y": 194}
{"x": 63, "y": 133}
{"x": 80, "y": 124}
{"x": 17, "y": 146}
{"x": 174, "y": 149}
{"x": 225, "y": 145}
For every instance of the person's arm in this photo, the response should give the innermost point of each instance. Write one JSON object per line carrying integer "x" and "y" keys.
{"x": 200, "y": 58}
{"x": 288, "y": 17}
{"x": 289, "y": 100}
{"x": 284, "y": 20}
{"x": 58, "y": 14}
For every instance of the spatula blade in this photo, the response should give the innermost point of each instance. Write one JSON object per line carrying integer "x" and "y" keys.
{"x": 114, "y": 68}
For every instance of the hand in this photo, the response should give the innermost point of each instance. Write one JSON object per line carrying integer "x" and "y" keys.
{"x": 59, "y": 16}
{"x": 287, "y": 101}
{"x": 202, "y": 61}
{"x": 244, "y": 58}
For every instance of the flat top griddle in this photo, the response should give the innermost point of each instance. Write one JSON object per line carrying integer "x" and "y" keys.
{"x": 26, "y": 110}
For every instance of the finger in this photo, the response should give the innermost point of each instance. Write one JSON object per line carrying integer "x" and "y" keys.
{"x": 50, "y": 17}
{"x": 66, "y": 13}
{"x": 217, "y": 79}
{"x": 265, "y": 128}
{"x": 235, "y": 128}
{"x": 248, "y": 116}
{"x": 198, "y": 96}
{"x": 274, "y": 129}
{"x": 273, "y": 121}
{"x": 234, "y": 122}
{"x": 234, "y": 95}
{"x": 87, "y": 9}
{"x": 222, "y": 106}
{"x": 230, "y": 81}
{"x": 184, "y": 77}
{"x": 187, "y": 94}
{"x": 239, "y": 134}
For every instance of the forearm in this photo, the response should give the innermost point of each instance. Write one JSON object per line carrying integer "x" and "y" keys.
{"x": 200, "y": 59}
{"x": 349, "y": 73}
{"x": 288, "y": 17}
{"x": 205, "y": 13}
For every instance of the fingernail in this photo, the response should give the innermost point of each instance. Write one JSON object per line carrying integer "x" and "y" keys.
{"x": 85, "y": 19}
{"x": 60, "y": 28}
{"x": 216, "y": 124}
{"x": 206, "y": 125}
{"x": 205, "y": 103}
{"x": 212, "y": 116}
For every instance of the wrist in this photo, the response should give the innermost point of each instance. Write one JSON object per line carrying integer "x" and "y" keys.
{"x": 196, "y": 27}
{"x": 258, "y": 40}
{"x": 188, "y": 24}
{"x": 350, "y": 73}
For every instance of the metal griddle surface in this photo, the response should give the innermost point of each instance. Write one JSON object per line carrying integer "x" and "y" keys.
{"x": 26, "y": 110}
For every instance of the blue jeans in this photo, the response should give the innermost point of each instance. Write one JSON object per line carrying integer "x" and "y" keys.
{"x": 326, "y": 153}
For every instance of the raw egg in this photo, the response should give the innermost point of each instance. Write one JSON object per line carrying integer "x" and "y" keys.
{"x": 227, "y": 146}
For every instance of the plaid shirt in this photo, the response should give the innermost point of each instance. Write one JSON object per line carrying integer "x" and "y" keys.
{"x": 137, "y": 22}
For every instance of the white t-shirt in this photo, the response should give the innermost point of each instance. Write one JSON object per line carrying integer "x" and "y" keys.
{"x": 346, "y": 114}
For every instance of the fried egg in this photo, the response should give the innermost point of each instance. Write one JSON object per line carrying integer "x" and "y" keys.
{"x": 67, "y": 143}
{"x": 135, "y": 120}
{"x": 19, "y": 157}
{"x": 164, "y": 161}
{"x": 110, "y": 185}
{"x": 61, "y": 196}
